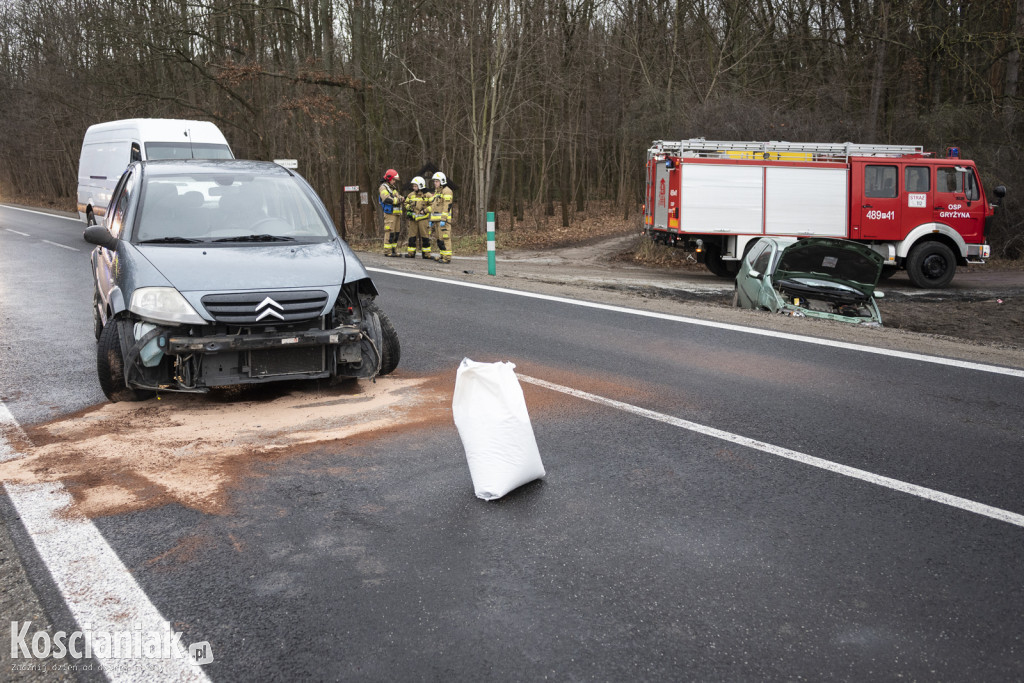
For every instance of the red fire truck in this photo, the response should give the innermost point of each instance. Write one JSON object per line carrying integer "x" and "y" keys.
{"x": 926, "y": 215}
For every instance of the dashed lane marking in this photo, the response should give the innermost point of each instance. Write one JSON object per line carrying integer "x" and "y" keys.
{"x": 938, "y": 360}
{"x": 779, "y": 451}
{"x": 16, "y": 232}
{"x": 62, "y": 246}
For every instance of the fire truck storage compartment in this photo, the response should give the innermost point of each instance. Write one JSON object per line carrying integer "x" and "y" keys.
{"x": 722, "y": 198}
{"x": 661, "y": 185}
{"x": 751, "y": 200}
{"x": 806, "y": 201}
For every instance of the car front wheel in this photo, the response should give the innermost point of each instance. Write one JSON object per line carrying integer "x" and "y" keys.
{"x": 110, "y": 367}
{"x": 391, "y": 349}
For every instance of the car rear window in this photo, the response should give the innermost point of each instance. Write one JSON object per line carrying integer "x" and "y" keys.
{"x": 185, "y": 150}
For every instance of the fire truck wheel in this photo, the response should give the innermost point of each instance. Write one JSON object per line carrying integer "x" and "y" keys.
{"x": 888, "y": 272}
{"x": 931, "y": 265}
{"x": 713, "y": 261}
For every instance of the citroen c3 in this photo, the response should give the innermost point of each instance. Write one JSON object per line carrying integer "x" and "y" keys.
{"x": 218, "y": 273}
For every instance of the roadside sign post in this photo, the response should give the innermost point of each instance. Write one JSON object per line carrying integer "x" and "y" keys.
{"x": 345, "y": 191}
{"x": 491, "y": 259}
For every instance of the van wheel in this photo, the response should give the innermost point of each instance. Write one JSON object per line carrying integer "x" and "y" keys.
{"x": 931, "y": 265}
{"x": 110, "y": 367}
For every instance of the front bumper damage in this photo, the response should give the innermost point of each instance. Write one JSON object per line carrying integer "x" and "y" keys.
{"x": 176, "y": 359}
{"x": 266, "y": 340}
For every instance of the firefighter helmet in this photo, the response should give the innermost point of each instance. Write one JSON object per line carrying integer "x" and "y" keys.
{"x": 390, "y": 174}
{"x": 419, "y": 183}
{"x": 440, "y": 176}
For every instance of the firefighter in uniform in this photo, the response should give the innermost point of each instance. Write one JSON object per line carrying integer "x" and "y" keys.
{"x": 391, "y": 203}
{"x": 417, "y": 208}
{"x": 441, "y": 215}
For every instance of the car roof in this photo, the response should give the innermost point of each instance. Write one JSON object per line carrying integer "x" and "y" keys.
{"x": 187, "y": 166}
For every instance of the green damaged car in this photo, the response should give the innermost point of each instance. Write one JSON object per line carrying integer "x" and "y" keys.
{"x": 819, "y": 277}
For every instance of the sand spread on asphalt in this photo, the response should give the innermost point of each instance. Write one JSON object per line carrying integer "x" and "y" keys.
{"x": 188, "y": 449}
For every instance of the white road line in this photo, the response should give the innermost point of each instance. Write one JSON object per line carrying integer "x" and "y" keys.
{"x": 98, "y": 589}
{"x": 7, "y": 425}
{"x": 871, "y": 478}
{"x": 23, "y": 234}
{"x": 62, "y": 246}
{"x": 966, "y": 365}
{"x": 41, "y": 213}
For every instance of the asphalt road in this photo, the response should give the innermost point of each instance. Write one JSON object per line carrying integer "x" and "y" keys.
{"x": 654, "y": 549}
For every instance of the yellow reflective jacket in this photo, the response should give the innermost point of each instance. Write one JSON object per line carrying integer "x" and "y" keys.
{"x": 441, "y": 204}
{"x": 389, "y": 199}
{"x": 417, "y": 205}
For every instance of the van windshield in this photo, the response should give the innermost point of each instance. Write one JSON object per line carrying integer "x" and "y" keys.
{"x": 185, "y": 150}
{"x": 229, "y": 208}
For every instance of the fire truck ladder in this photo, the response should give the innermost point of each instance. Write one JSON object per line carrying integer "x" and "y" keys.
{"x": 812, "y": 151}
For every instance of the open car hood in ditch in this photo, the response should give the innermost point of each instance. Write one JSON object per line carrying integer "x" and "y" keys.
{"x": 833, "y": 260}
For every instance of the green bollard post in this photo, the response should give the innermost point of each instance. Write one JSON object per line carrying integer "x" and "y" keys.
{"x": 491, "y": 260}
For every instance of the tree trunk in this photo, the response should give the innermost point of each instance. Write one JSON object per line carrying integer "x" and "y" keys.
{"x": 1013, "y": 70}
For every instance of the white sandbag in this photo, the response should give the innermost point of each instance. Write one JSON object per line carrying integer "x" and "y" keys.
{"x": 495, "y": 428}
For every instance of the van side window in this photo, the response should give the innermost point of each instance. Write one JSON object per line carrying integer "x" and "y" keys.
{"x": 136, "y": 152}
{"x": 880, "y": 181}
{"x": 120, "y": 207}
{"x": 918, "y": 179}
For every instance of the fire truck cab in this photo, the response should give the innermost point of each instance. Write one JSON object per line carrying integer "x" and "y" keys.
{"x": 922, "y": 214}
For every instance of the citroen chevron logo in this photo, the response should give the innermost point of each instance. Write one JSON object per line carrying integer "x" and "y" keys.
{"x": 269, "y": 307}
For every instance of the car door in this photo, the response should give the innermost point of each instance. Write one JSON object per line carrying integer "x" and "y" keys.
{"x": 750, "y": 279}
{"x": 114, "y": 222}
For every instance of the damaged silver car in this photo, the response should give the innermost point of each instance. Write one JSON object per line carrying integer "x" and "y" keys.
{"x": 818, "y": 277}
{"x": 218, "y": 273}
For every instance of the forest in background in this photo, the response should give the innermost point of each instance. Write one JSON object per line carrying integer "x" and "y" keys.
{"x": 526, "y": 105}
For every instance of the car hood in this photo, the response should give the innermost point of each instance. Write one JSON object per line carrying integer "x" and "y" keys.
{"x": 832, "y": 260}
{"x": 272, "y": 266}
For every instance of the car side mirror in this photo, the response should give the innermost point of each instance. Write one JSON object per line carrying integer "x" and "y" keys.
{"x": 756, "y": 274}
{"x": 100, "y": 236}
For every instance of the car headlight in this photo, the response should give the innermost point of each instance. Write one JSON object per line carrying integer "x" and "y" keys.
{"x": 163, "y": 305}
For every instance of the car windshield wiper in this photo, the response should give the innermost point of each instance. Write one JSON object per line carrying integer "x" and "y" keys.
{"x": 171, "y": 240}
{"x": 256, "y": 238}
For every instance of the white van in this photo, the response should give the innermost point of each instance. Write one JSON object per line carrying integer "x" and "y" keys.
{"x": 109, "y": 147}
